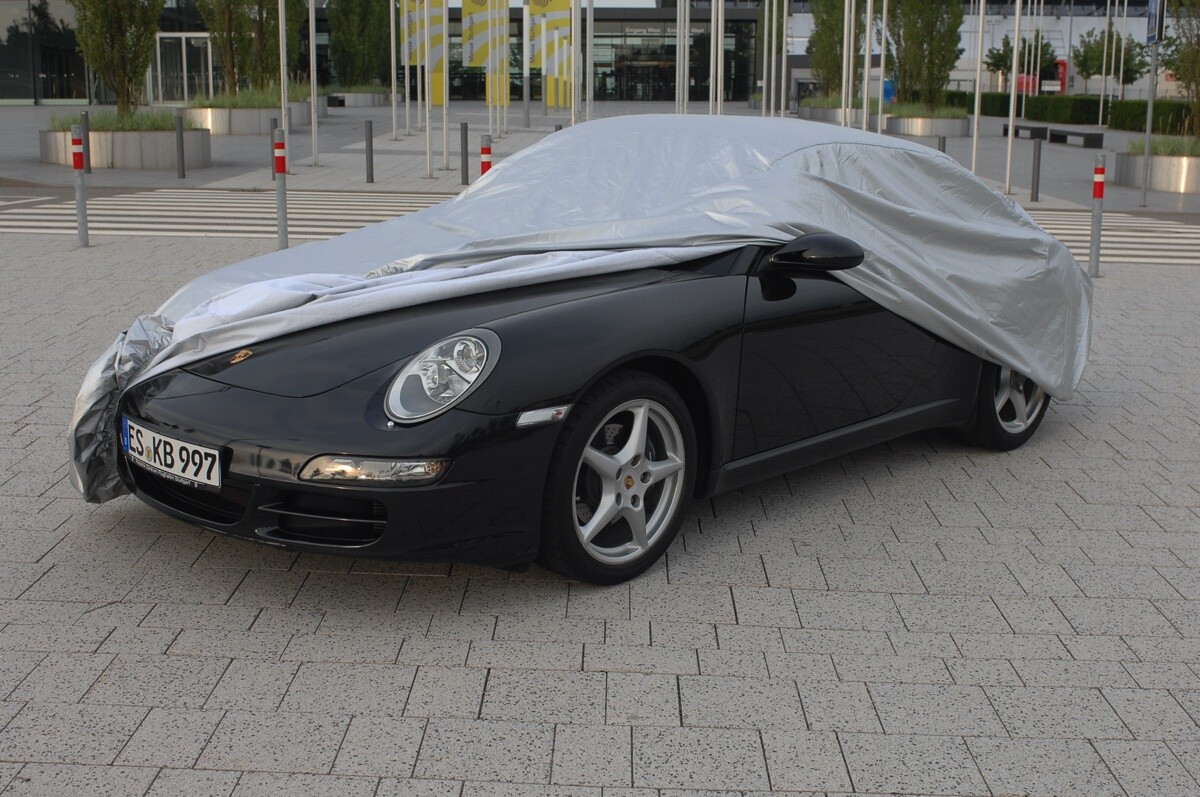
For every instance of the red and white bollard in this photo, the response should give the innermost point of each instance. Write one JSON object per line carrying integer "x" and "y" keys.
{"x": 485, "y": 154}
{"x": 280, "y": 149}
{"x": 80, "y": 196}
{"x": 1097, "y": 216}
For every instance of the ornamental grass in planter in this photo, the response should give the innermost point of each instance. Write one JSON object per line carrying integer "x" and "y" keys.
{"x": 144, "y": 139}
{"x": 1174, "y": 164}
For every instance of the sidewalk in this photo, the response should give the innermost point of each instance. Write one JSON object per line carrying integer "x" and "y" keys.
{"x": 243, "y": 162}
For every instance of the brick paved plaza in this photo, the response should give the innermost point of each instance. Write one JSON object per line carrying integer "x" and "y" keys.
{"x": 918, "y": 619}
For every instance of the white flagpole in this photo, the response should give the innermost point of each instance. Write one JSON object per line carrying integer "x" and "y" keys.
{"x": 283, "y": 76}
{"x": 590, "y": 64}
{"x": 445, "y": 85}
{"x": 1012, "y": 98}
{"x": 1104, "y": 84}
{"x": 721, "y": 60}
{"x": 868, "y": 43}
{"x": 712, "y": 59}
{"x": 575, "y": 45}
{"x": 883, "y": 36}
{"x": 392, "y": 28}
{"x": 428, "y": 97}
{"x": 778, "y": 80}
{"x": 405, "y": 47}
{"x": 312, "y": 74}
{"x": 766, "y": 39}
{"x": 978, "y": 91}
{"x": 1124, "y": 36}
{"x": 545, "y": 69}
{"x": 526, "y": 54}
{"x": 420, "y": 56}
{"x": 687, "y": 53}
{"x": 846, "y": 69}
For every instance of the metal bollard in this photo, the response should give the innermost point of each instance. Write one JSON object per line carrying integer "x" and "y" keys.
{"x": 464, "y": 144}
{"x": 80, "y": 197}
{"x": 1097, "y": 216}
{"x": 85, "y": 123}
{"x": 557, "y": 128}
{"x": 274, "y": 127}
{"x": 180, "y": 170}
{"x": 279, "y": 149}
{"x": 941, "y": 143}
{"x": 485, "y": 153}
{"x": 370, "y": 151}
{"x": 1035, "y": 190}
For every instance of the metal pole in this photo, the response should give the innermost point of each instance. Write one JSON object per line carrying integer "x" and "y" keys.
{"x": 679, "y": 56}
{"x": 590, "y": 63}
{"x": 312, "y": 75}
{"x": 545, "y": 68}
{"x": 576, "y": 50}
{"x": 883, "y": 35}
{"x": 1036, "y": 55}
{"x": 428, "y": 95}
{"x": 81, "y": 225}
{"x": 369, "y": 136}
{"x": 446, "y": 85}
{"x": 978, "y": 90}
{"x": 870, "y": 37}
{"x": 687, "y": 53}
{"x": 392, "y": 29}
{"x": 463, "y": 144}
{"x": 406, "y": 47}
{"x": 274, "y": 127}
{"x": 485, "y": 153}
{"x": 283, "y": 76}
{"x": 179, "y": 154}
{"x": 766, "y": 79}
{"x": 941, "y": 144}
{"x": 85, "y": 124}
{"x": 526, "y": 56}
{"x": 1035, "y": 190}
{"x": 712, "y": 58}
{"x": 279, "y": 145}
{"x": 1149, "y": 117}
{"x": 1124, "y": 36}
{"x": 1012, "y": 99}
{"x": 1104, "y": 61}
{"x": 1097, "y": 217}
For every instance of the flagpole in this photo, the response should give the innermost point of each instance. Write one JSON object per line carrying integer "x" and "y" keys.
{"x": 1012, "y": 98}
{"x": 883, "y": 37}
{"x": 870, "y": 40}
{"x": 978, "y": 90}
{"x": 445, "y": 85}
{"x": 392, "y": 28}
{"x": 1104, "y": 68}
{"x": 428, "y": 95}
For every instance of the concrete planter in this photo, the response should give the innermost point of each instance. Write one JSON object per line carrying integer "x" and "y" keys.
{"x": 249, "y": 121}
{"x": 1176, "y": 174}
{"x": 925, "y": 126}
{"x": 355, "y": 99}
{"x": 132, "y": 149}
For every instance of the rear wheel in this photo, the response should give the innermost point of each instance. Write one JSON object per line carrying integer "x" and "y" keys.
{"x": 619, "y": 480}
{"x": 1008, "y": 410}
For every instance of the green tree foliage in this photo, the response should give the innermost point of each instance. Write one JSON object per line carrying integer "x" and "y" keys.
{"x": 926, "y": 37}
{"x": 1184, "y": 57}
{"x": 229, "y": 35}
{"x": 1088, "y": 56}
{"x": 262, "y": 64}
{"x": 116, "y": 38}
{"x": 825, "y": 44}
{"x": 358, "y": 40}
{"x": 1136, "y": 64}
{"x": 999, "y": 59}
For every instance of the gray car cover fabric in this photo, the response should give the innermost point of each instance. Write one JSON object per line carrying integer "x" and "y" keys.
{"x": 942, "y": 249}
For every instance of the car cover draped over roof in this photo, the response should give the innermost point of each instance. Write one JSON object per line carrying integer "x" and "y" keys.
{"x": 942, "y": 249}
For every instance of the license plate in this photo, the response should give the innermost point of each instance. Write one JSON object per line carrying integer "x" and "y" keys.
{"x": 185, "y": 463}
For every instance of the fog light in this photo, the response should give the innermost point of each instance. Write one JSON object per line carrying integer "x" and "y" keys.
{"x": 373, "y": 472}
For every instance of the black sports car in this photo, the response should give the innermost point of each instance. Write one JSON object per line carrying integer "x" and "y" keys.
{"x": 569, "y": 422}
{"x": 628, "y": 315}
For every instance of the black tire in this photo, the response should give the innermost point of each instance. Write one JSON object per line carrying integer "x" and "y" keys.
{"x": 998, "y": 423}
{"x": 655, "y": 480}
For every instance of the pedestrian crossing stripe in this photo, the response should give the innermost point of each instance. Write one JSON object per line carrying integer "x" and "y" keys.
{"x": 314, "y": 215}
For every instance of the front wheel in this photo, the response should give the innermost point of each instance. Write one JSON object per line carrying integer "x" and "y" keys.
{"x": 1008, "y": 410}
{"x": 619, "y": 480}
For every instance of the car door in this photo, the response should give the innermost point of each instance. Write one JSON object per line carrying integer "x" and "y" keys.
{"x": 818, "y": 356}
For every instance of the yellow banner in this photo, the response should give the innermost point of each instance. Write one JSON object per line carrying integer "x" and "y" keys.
{"x": 549, "y": 16}
{"x": 481, "y": 21}
{"x": 414, "y": 25}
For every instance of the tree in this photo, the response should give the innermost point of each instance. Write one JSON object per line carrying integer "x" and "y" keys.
{"x": 358, "y": 40}
{"x": 926, "y": 37}
{"x": 1136, "y": 63}
{"x": 999, "y": 59}
{"x": 116, "y": 38}
{"x": 229, "y": 35}
{"x": 825, "y": 44}
{"x": 1088, "y": 56}
{"x": 262, "y": 63}
{"x": 1185, "y": 60}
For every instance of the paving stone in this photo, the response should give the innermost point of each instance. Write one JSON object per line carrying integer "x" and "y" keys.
{"x": 865, "y": 611}
{"x": 1146, "y": 768}
{"x": 56, "y": 780}
{"x": 544, "y": 696}
{"x": 390, "y": 787}
{"x": 62, "y": 733}
{"x": 232, "y": 644}
{"x": 920, "y": 764}
{"x": 380, "y": 746}
{"x": 527, "y": 655}
{"x": 937, "y": 710}
{"x": 343, "y": 647}
{"x": 591, "y": 755}
{"x": 892, "y": 669}
{"x": 252, "y": 685}
{"x": 170, "y": 737}
{"x": 507, "y": 751}
{"x": 640, "y": 699}
{"x": 275, "y": 742}
{"x": 61, "y": 677}
{"x": 193, "y": 783}
{"x": 197, "y": 617}
{"x": 1062, "y": 767}
{"x": 698, "y": 604}
{"x": 872, "y": 576}
{"x": 664, "y": 633}
{"x": 636, "y": 658}
{"x": 270, "y": 784}
{"x": 743, "y": 664}
{"x": 739, "y": 702}
{"x": 1044, "y": 672}
{"x": 440, "y": 652}
{"x": 446, "y": 692}
{"x": 369, "y": 592}
{"x": 698, "y": 758}
{"x": 964, "y": 613}
{"x": 1056, "y": 712}
{"x": 179, "y": 681}
{"x": 335, "y": 688}
{"x": 800, "y": 760}
{"x": 835, "y": 706}
{"x": 849, "y": 643}
{"x": 1115, "y": 616}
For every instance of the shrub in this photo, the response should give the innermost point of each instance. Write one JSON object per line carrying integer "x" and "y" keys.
{"x": 1073, "y": 110}
{"x": 992, "y": 103}
{"x": 104, "y": 121}
{"x": 918, "y": 110}
{"x": 1171, "y": 117}
{"x": 253, "y": 98}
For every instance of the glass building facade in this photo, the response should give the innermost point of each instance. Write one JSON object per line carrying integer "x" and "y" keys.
{"x": 38, "y": 58}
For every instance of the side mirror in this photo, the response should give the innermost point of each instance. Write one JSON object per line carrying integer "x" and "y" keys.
{"x": 822, "y": 251}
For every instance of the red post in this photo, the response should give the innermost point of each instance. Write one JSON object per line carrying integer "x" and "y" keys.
{"x": 77, "y": 150}
{"x": 485, "y": 154}
{"x": 280, "y": 157}
{"x": 1098, "y": 183}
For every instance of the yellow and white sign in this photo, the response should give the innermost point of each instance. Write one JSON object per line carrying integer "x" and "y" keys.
{"x": 550, "y": 44}
{"x": 417, "y": 52}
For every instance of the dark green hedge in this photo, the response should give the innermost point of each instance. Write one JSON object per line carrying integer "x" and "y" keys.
{"x": 1075, "y": 110}
{"x": 1171, "y": 117}
{"x": 992, "y": 103}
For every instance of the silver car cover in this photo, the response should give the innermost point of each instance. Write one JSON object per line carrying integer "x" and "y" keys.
{"x": 943, "y": 250}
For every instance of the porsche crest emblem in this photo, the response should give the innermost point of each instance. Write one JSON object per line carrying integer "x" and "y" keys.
{"x": 244, "y": 354}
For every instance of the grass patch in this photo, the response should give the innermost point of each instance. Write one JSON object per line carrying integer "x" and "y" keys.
{"x": 836, "y": 102}
{"x": 252, "y": 98}
{"x": 105, "y": 121}
{"x": 916, "y": 110}
{"x": 1167, "y": 145}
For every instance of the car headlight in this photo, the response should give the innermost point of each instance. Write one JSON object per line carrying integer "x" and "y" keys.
{"x": 442, "y": 375}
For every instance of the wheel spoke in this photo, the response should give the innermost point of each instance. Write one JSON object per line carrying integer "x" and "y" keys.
{"x": 637, "y": 525}
{"x": 661, "y": 469}
{"x": 1019, "y": 405}
{"x": 636, "y": 444}
{"x": 606, "y": 510}
{"x": 1003, "y": 396}
{"x": 606, "y": 467}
